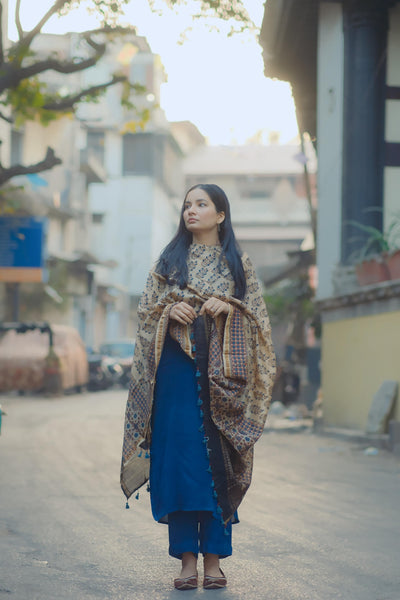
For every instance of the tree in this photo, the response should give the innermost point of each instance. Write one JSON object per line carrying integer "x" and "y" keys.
{"x": 24, "y": 96}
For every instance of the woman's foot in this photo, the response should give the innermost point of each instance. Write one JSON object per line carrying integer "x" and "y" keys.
{"x": 187, "y": 579}
{"x": 214, "y": 578}
{"x": 211, "y": 565}
{"x": 189, "y": 565}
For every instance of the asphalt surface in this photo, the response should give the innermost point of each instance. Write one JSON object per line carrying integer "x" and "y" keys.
{"x": 321, "y": 520}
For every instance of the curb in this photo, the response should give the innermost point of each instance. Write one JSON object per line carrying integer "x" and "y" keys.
{"x": 288, "y": 426}
{"x": 377, "y": 440}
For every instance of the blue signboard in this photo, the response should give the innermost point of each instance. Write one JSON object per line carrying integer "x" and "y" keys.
{"x": 22, "y": 248}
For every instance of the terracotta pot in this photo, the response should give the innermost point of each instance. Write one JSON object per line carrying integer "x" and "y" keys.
{"x": 372, "y": 271}
{"x": 393, "y": 263}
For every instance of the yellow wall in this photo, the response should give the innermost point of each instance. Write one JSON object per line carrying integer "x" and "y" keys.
{"x": 357, "y": 356}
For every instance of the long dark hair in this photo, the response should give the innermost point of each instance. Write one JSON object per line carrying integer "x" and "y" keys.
{"x": 172, "y": 262}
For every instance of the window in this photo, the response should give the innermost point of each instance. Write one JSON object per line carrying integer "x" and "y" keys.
{"x": 97, "y": 218}
{"x": 95, "y": 144}
{"x": 257, "y": 194}
{"x": 256, "y": 187}
{"x": 17, "y": 141}
{"x": 137, "y": 154}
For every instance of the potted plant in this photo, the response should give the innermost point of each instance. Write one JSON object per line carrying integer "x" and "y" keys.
{"x": 379, "y": 258}
{"x": 393, "y": 263}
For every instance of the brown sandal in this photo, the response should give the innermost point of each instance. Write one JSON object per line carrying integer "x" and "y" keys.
{"x": 186, "y": 583}
{"x": 214, "y": 583}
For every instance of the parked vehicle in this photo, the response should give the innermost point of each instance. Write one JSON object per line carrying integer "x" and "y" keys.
{"x": 38, "y": 357}
{"x": 122, "y": 351}
{"x": 104, "y": 371}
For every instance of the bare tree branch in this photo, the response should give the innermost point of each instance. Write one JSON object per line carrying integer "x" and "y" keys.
{"x": 56, "y": 65}
{"x": 57, "y": 6}
{"x": 50, "y": 161}
{"x": 18, "y": 20}
{"x": 28, "y": 37}
{"x": 13, "y": 73}
{"x": 69, "y": 101}
{"x": 5, "y": 118}
{"x": 119, "y": 29}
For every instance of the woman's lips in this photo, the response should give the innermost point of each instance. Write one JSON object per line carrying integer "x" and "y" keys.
{"x": 192, "y": 220}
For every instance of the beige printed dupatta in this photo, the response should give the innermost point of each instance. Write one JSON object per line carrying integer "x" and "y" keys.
{"x": 236, "y": 369}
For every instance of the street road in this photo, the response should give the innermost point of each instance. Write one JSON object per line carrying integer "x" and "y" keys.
{"x": 320, "y": 522}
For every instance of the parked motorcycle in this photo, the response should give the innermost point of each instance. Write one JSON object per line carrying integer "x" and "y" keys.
{"x": 104, "y": 372}
{"x": 122, "y": 351}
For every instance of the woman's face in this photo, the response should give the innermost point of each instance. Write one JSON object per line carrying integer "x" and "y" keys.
{"x": 200, "y": 214}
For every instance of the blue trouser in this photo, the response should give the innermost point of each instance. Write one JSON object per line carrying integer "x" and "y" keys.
{"x": 198, "y": 531}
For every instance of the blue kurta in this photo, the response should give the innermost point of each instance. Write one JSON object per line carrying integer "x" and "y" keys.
{"x": 180, "y": 477}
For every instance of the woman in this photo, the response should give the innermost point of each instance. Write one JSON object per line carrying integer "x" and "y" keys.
{"x": 201, "y": 384}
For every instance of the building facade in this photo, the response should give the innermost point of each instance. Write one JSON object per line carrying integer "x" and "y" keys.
{"x": 134, "y": 212}
{"x": 343, "y": 61}
{"x": 266, "y": 189}
{"x": 110, "y": 205}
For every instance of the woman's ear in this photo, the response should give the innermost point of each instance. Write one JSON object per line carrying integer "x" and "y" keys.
{"x": 220, "y": 217}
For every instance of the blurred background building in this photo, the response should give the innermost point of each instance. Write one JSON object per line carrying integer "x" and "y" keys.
{"x": 270, "y": 195}
{"x": 342, "y": 59}
{"x": 266, "y": 189}
{"x": 133, "y": 214}
{"x": 114, "y": 201}
{"x": 110, "y": 204}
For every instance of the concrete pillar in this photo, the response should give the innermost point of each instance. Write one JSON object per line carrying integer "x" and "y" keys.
{"x": 365, "y": 41}
{"x": 330, "y": 142}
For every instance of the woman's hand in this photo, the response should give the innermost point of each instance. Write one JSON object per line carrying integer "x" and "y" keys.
{"x": 214, "y": 307}
{"x": 183, "y": 313}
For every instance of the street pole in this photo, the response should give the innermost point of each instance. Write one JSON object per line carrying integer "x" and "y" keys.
{"x": 313, "y": 216}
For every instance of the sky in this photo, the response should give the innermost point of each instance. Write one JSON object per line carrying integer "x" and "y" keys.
{"x": 215, "y": 81}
